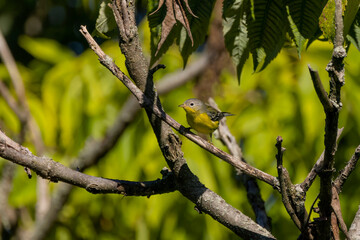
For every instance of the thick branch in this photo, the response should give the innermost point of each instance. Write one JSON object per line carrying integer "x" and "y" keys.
{"x": 169, "y": 143}
{"x": 54, "y": 171}
{"x": 336, "y": 72}
{"x": 94, "y": 150}
{"x": 145, "y": 102}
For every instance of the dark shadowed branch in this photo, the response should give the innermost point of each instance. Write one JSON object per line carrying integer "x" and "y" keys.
{"x": 54, "y": 171}
{"x": 332, "y": 106}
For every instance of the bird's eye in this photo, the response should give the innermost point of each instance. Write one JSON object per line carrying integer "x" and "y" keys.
{"x": 191, "y": 104}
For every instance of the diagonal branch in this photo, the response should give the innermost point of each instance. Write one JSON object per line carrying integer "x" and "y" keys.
{"x": 310, "y": 178}
{"x": 169, "y": 143}
{"x": 348, "y": 169}
{"x": 54, "y": 171}
{"x": 94, "y": 150}
{"x": 320, "y": 91}
{"x": 146, "y": 103}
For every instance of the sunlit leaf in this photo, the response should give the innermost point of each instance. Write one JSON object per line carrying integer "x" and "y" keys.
{"x": 327, "y": 19}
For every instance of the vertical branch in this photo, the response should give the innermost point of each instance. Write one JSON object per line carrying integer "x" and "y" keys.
{"x": 336, "y": 72}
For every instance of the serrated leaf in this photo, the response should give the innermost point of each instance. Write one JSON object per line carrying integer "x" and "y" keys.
{"x": 105, "y": 21}
{"x": 235, "y": 33}
{"x": 354, "y": 33}
{"x": 189, "y": 33}
{"x": 266, "y": 31}
{"x": 351, "y": 10}
{"x": 303, "y": 16}
{"x": 198, "y": 25}
{"x": 295, "y": 35}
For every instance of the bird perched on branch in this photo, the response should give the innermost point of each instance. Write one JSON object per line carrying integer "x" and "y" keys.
{"x": 202, "y": 117}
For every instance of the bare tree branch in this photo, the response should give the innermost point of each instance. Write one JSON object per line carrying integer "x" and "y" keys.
{"x": 146, "y": 103}
{"x": 94, "y": 150}
{"x": 336, "y": 72}
{"x": 169, "y": 143}
{"x": 319, "y": 88}
{"x": 354, "y": 231}
{"x": 54, "y": 171}
{"x": 306, "y": 184}
{"x": 349, "y": 168}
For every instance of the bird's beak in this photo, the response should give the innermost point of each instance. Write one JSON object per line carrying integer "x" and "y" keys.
{"x": 181, "y": 105}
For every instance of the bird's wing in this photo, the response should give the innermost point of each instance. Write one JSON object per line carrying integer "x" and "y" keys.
{"x": 214, "y": 114}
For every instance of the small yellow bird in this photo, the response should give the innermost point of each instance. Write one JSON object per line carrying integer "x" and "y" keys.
{"x": 202, "y": 117}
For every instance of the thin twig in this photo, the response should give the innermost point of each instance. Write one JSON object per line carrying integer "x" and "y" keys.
{"x": 285, "y": 184}
{"x": 348, "y": 169}
{"x": 310, "y": 178}
{"x": 319, "y": 88}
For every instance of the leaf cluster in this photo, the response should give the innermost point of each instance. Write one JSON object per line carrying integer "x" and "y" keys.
{"x": 258, "y": 28}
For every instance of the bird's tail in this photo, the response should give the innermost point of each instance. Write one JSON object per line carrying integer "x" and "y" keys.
{"x": 226, "y": 114}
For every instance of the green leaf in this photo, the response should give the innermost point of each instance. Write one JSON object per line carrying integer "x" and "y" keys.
{"x": 266, "y": 29}
{"x": 327, "y": 19}
{"x": 354, "y": 33}
{"x": 295, "y": 34}
{"x": 235, "y": 33}
{"x": 326, "y": 22}
{"x": 105, "y": 21}
{"x": 303, "y": 16}
{"x": 351, "y": 10}
{"x": 198, "y": 25}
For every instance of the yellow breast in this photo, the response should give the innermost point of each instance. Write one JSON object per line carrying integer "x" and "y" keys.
{"x": 201, "y": 122}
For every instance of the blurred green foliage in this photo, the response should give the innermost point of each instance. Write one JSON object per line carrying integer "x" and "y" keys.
{"x": 75, "y": 97}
